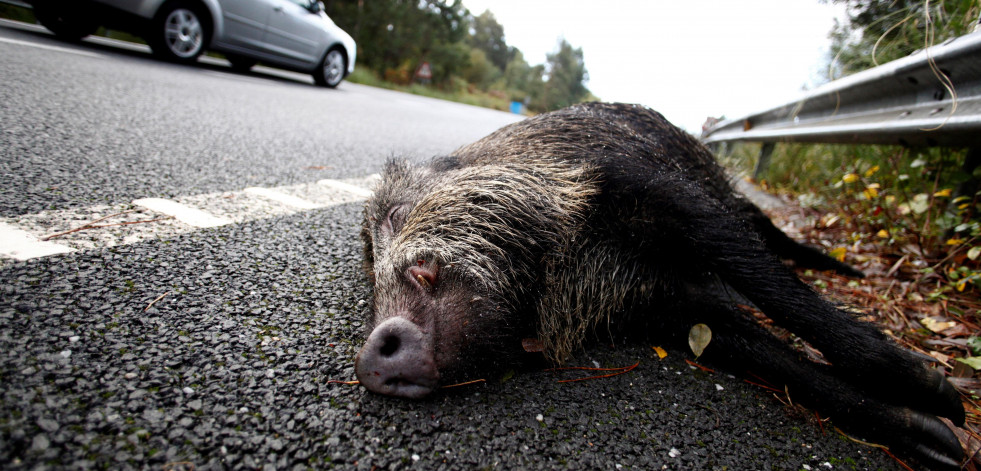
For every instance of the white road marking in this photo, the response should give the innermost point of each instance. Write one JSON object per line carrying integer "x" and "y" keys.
{"x": 183, "y": 213}
{"x": 51, "y": 48}
{"x": 288, "y": 200}
{"x": 22, "y": 245}
{"x": 344, "y": 186}
{"x": 130, "y": 223}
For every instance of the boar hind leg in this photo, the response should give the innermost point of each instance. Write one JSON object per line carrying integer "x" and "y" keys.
{"x": 742, "y": 346}
{"x": 787, "y": 248}
{"x": 858, "y": 351}
{"x": 685, "y": 227}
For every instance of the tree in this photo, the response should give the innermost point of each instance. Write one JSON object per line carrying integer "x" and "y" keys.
{"x": 395, "y": 36}
{"x": 524, "y": 82}
{"x": 401, "y": 34}
{"x": 567, "y": 77}
{"x": 488, "y": 36}
{"x": 480, "y": 72}
{"x": 878, "y": 31}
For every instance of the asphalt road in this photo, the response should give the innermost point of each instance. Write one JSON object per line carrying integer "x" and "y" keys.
{"x": 211, "y": 348}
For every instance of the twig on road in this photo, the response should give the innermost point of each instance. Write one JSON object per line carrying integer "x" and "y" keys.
{"x": 93, "y": 225}
{"x": 148, "y": 306}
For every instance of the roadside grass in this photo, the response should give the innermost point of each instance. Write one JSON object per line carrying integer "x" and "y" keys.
{"x": 462, "y": 93}
{"x": 894, "y": 197}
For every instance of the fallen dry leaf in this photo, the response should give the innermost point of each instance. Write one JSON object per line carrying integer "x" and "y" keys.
{"x": 661, "y": 353}
{"x": 698, "y": 338}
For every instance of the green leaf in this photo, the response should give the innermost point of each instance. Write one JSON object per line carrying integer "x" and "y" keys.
{"x": 698, "y": 338}
{"x": 975, "y": 344}
{"x": 973, "y": 362}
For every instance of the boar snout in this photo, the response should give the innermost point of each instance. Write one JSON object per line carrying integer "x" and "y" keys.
{"x": 397, "y": 360}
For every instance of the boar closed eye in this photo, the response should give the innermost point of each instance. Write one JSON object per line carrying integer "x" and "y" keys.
{"x": 396, "y": 218}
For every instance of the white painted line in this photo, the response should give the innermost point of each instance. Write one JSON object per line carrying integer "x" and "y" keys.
{"x": 51, "y": 48}
{"x": 186, "y": 214}
{"x": 344, "y": 186}
{"x": 21, "y": 245}
{"x": 190, "y": 212}
{"x": 288, "y": 200}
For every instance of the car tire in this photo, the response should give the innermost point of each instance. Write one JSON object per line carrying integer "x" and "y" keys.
{"x": 332, "y": 68}
{"x": 65, "y": 19}
{"x": 180, "y": 32}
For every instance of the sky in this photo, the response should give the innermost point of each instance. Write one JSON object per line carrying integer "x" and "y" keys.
{"x": 688, "y": 59}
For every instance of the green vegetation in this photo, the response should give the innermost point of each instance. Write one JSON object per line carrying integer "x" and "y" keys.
{"x": 468, "y": 57}
{"x": 878, "y": 31}
{"x": 922, "y": 203}
{"x": 16, "y": 13}
{"x": 918, "y": 204}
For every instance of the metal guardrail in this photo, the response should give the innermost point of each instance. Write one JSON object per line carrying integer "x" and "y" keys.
{"x": 908, "y": 101}
{"x": 901, "y": 102}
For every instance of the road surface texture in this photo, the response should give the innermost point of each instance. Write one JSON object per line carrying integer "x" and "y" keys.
{"x": 212, "y": 347}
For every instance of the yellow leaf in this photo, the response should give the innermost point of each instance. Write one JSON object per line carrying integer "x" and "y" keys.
{"x": 945, "y": 193}
{"x": 850, "y": 178}
{"x": 962, "y": 285}
{"x": 937, "y": 326}
{"x": 698, "y": 338}
{"x": 871, "y": 192}
{"x": 955, "y": 241}
{"x": 871, "y": 171}
{"x": 839, "y": 254}
{"x": 660, "y": 352}
{"x": 882, "y": 234}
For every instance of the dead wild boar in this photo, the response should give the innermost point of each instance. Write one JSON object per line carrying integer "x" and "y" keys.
{"x": 606, "y": 215}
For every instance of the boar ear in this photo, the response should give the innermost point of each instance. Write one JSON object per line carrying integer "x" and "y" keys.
{"x": 446, "y": 163}
{"x": 395, "y": 169}
{"x": 367, "y": 239}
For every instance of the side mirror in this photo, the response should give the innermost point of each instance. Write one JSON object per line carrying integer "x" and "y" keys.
{"x": 316, "y": 7}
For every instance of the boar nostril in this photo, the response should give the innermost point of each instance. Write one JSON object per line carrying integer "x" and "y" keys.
{"x": 397, "y": 359}
{"x": 390, "y": 345}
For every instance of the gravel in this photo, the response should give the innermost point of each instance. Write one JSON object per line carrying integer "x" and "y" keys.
{"x": 230, "y": 369}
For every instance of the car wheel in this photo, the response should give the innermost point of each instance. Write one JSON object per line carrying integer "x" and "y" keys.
{"x": 179, "y": 33}
{"x": 65, "y": 19}
{"x": 332, "y": 69}
{"x": 241, "y": 64}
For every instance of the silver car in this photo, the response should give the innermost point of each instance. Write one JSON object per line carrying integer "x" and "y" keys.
{"x": 291, "y": 34}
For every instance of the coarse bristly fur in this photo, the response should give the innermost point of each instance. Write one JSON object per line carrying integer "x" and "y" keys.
{"x": 605, "y": 217}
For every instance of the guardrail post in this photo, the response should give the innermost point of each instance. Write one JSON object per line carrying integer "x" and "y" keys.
{"x": 972, "y": 161}
{"x": 763, "y": 164}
